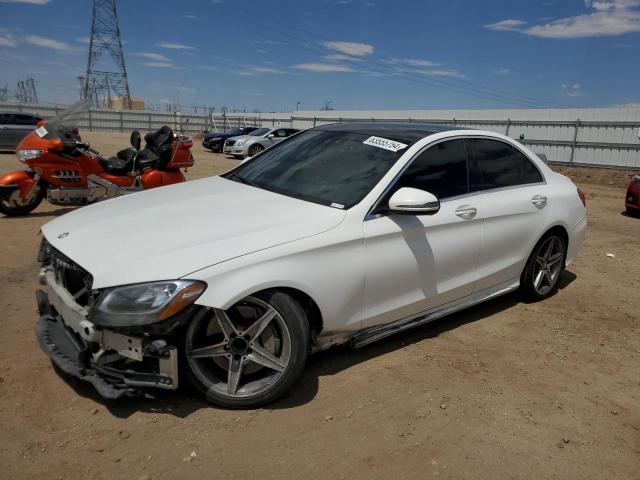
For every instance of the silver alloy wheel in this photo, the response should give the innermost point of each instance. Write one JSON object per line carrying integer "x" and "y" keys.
{"x": 548, "y": 265}
{"x": 254, "y": 150}
{"x": 240, "y": 352}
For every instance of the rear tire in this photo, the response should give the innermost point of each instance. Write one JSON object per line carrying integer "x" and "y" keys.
{"x": 12, "y": 205}
{"x": 249, "y": 355}
{"x": 632, "y": 212}
{"x": 540, "y": 277}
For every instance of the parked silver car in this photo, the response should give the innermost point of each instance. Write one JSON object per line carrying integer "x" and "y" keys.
{"x": 256, "y": 141}
{"x": 14, "y": 126}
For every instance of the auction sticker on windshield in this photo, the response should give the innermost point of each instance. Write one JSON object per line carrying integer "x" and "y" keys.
{"x": 41, "y": 131}
{"x": 384, "y": 143}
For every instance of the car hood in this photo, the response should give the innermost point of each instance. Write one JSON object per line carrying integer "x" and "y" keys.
{"x": 241, "y": 137}
{"x": 169, "y": 232}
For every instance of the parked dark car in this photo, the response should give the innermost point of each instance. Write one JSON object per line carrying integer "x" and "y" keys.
{"x": 214, "y": 141}
{"x": 14, "y": 126}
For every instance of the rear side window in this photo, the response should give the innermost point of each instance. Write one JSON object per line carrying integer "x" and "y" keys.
{"x": 529, "y": 173}
{"x": 495, "y": 164}
{"x": 441, "y": 170}
{"x": 5, "y": 118}
{"x": 24, "y": 119}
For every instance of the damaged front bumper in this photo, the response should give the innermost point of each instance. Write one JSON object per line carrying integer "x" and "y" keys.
{"x": 117, "y": 364}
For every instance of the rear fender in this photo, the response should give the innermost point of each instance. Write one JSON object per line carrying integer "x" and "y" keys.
{"x": 21, "y": 179}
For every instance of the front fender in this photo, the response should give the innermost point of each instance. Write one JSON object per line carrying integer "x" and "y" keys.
{"x": 21, "y": 179}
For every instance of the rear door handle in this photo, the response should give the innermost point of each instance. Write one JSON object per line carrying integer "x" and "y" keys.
{"x": 539, "y": 201}
{"x": 466, "y": 212}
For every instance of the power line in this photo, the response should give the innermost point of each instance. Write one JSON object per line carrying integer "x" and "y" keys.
{"x": 462, "y": 86}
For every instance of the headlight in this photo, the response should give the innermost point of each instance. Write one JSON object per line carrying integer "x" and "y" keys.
{"x": 239, "y": 143}
{"x": 144, "y": 303}
{"x": 24, "y": 155}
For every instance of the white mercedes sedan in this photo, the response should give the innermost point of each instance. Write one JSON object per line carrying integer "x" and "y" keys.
{"x": 340, "y": 234}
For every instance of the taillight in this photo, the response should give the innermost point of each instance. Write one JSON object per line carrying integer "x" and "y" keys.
{"x": 582, "y": 198}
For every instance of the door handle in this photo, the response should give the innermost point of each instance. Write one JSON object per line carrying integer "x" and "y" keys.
{"x": 466, "y": 212}
{"x": 540, "y": 201}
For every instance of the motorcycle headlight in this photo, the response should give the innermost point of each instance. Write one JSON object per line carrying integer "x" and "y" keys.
{"x": 24, "y": 155}
{"x": 239, "y": 143}
{"x": 144, "y": 303}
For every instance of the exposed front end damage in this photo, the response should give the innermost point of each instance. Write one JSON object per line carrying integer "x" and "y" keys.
{"x": 117, "y": 362}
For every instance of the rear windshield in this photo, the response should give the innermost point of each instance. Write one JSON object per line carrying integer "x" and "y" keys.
{"x": 333, "y": 168}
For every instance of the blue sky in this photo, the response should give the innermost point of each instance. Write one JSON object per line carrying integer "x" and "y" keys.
{"x": 358, "y": 54}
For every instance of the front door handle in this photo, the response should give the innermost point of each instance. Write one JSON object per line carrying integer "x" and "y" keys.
{"x": 540, "y": 201}
{"x": 466, "y": 212}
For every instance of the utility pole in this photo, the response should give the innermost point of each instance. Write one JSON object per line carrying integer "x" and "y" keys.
{"x": 106, "y": 76}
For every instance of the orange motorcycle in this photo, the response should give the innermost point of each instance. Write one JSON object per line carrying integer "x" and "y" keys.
{"x": 70, "y": 173}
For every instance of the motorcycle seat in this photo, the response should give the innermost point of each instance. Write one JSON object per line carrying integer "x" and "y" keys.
{"x": 128, "y": 160}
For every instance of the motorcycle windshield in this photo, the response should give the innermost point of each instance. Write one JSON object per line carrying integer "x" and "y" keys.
{"x": 65, "y": 125}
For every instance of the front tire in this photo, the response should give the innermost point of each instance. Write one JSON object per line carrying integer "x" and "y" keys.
{"x": 540, "y": 277}
{"x": 255, "y": 149}
{"x": 249, "y": 355}
{"x": 13, "y": 205}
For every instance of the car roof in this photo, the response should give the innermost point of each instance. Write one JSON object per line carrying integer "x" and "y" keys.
{"x": 404, "y": 131}
{"x": 4, "y": 112}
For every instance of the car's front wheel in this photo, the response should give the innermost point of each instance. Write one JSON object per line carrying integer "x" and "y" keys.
{"x": 255, "y": 149}
{"x": 541, "y": 274}
{"x": 249, "y": 355}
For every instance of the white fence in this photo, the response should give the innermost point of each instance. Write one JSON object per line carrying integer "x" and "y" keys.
{"x": 599, "y": 136}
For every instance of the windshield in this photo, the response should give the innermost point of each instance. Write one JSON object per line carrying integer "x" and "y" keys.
{"x": 72, "y": 115}
{"x": 65, "y": 125}
{"x": 260, "y": 132}
{"x": 333, "y": 168}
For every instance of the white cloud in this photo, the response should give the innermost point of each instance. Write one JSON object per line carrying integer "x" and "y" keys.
{"x": 190, "y": 17}
{"x": 574, "y": 90}
{"x": 419, "y": 63}
{"x": 350, "y": 48}
{"x": 156, "y": 57}
{"x": 442, "y": 73}
{"x": 341, "y": 57}
{"x": 606, "y": 18}
{"x": 158, "y": 64}
{"x": 507, "y": 25}
{"x": 501, "y": 71}
{"x": 83, "y": 40}
{"x": 176, "y": 46}
{"x": 31, "y": 2}
{"x": 323, "y": 67}
{"x": 47, "y": 42}
{"x": 268, "y": 70}
{"x": 7, "y": 40}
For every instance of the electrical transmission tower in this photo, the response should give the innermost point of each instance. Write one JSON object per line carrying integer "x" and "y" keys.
{"x": 26, "y": 91}
{"x": 106, "y": 76}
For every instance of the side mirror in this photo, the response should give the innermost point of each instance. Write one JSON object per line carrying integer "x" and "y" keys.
{"x": 271, "y": 135}
{"x": 56, "y": 145}
{"x": 413, "y": 201}
{"x": 135, "y": 139}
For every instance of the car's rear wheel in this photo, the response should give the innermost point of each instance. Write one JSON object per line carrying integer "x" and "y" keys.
{"x": 250, "y": 354}
{"x": 255, "y": 149}
{"x": 541, "y": 274}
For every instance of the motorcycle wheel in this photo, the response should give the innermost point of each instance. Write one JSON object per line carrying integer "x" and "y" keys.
{"x": 12, "y": 204}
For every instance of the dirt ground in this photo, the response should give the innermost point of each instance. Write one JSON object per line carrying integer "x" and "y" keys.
{"x": 503, "y": 390}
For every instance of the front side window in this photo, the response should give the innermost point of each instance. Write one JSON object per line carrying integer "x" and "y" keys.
{"x": 260, "y": 132}
{"x": 440, "y": 170}
{"x": 328, "y": 167}
{"x": 496, "y": 164}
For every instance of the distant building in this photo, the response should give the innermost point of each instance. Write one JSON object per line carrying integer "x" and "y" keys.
{"x": 137, "y": 103}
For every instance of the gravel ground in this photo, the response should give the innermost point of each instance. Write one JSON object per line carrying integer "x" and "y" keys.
{"x": 503, "y": 390}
